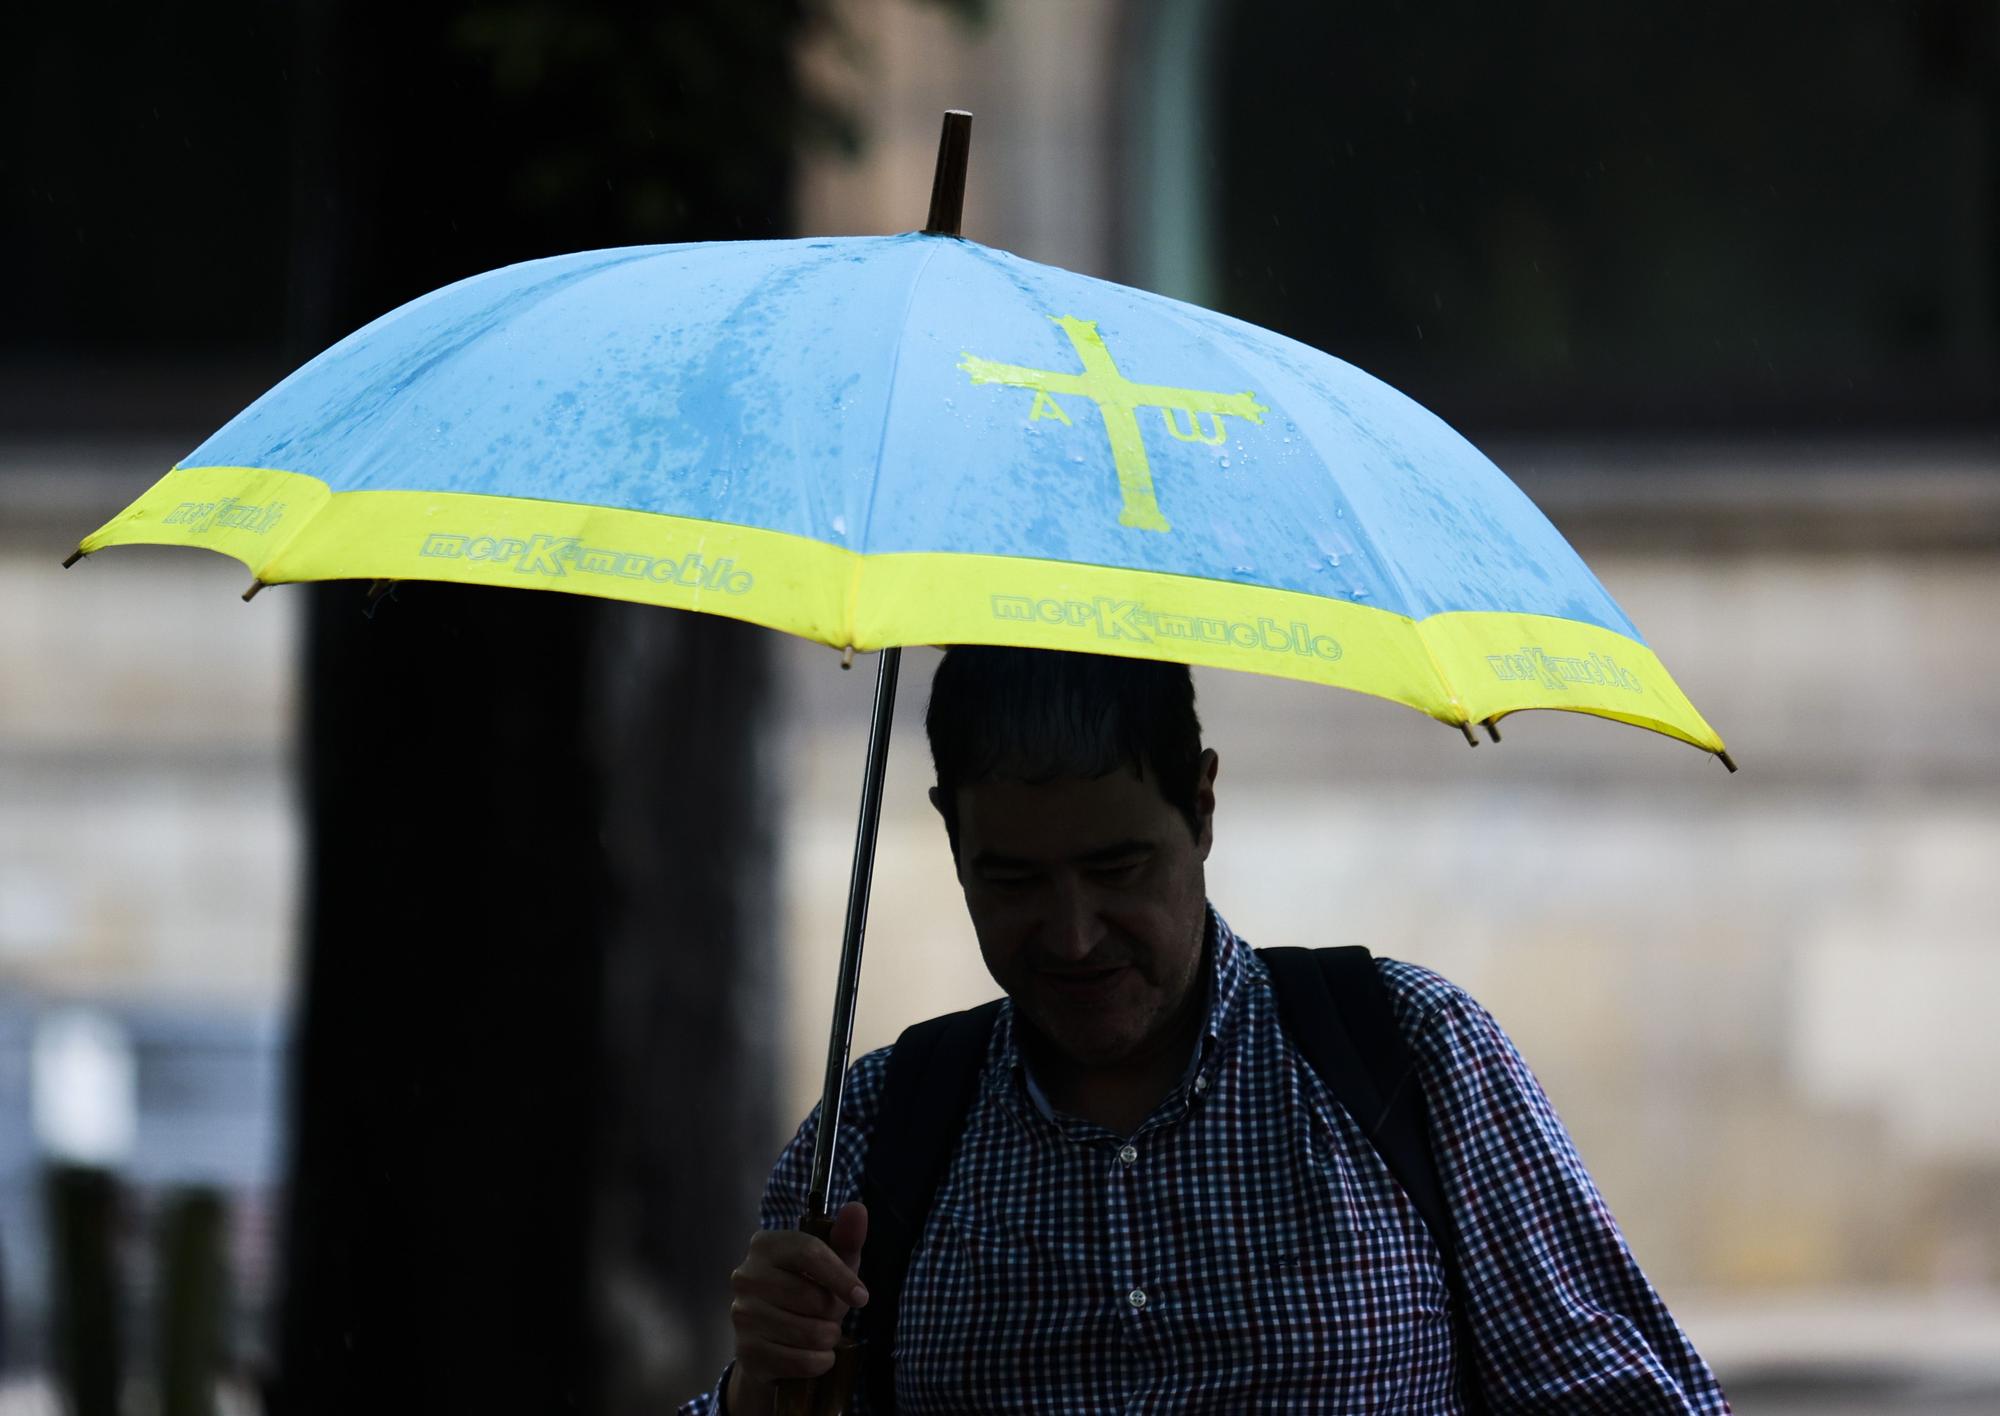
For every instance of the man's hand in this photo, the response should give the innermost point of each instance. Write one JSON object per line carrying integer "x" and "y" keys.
{"x": 791, "y": 1291}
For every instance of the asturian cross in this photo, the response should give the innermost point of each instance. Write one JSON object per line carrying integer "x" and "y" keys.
{"x": 1118, "y": 401}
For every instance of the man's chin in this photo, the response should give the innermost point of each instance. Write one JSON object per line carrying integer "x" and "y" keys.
{"x": 1086, "y": 1041}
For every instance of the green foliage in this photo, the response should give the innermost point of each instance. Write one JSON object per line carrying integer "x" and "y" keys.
{"x": 652, "y": 93}
{"x": 670, "y": 109}
{"x": 183, "y": 174}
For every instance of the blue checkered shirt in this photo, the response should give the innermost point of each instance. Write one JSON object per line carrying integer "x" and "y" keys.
{"x": 1246, "y": 1249}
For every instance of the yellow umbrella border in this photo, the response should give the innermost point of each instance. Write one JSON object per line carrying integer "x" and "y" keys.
{"x": 1459, "y": 667}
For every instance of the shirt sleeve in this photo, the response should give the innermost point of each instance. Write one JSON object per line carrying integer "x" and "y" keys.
{"x": 784, "y": 1202}
{"x": 1562, "y": 1318}
{"x": 709, "y": 1403}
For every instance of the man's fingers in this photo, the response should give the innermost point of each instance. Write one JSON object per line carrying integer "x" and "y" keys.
{"x": 850, "y": 1232}
{"x": 759, "y": 1320}
{"x": 793, "y": 1252}
{"x": 792, "y": 1290}
{"x": 770, "y": 1362}
{"x": 825, "y": 1270}
{"x": 789, "y": 1292}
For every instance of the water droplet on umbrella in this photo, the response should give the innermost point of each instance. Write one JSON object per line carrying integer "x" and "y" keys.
{"x": 840, "y": 526}
{"x": 1225, "y": 462}
{"x": 1333, "y": 561}
{"x": 1358, "y": 593}
{"x": 1339, "y": 512}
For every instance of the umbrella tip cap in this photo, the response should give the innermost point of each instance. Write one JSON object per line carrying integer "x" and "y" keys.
{"x": 948, "y": 181}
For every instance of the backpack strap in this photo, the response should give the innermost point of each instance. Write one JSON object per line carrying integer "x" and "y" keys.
{"x": 927, "y": 1092}
{"x": 1337, "y": 1013}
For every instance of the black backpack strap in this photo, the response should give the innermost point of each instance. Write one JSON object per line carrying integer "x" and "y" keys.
{"x": 927, "y": 1091}
{"x": 1337, "y": 1013}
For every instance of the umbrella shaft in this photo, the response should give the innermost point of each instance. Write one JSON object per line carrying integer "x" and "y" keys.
{"x": 842, "y": 1040}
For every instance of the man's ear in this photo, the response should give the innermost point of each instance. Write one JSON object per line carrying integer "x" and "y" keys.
{"x": 1204, "y": 799}
{"x": 950, "y": 826}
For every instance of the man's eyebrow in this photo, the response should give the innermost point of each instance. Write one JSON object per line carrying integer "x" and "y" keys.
{"x": 1117, "y": 850}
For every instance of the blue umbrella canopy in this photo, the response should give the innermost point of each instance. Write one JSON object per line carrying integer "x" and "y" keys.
{"x": 879, "y": 441}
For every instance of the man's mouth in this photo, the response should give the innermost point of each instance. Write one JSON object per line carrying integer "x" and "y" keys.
{"x": 1084, "y": 984}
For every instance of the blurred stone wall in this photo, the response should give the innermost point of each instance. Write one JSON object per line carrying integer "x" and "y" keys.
{"x": 147, "y": 842}
{"x": 149, "y": 855}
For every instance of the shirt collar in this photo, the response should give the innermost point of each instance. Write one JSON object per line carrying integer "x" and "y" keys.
{"x": 1224, "y": 954}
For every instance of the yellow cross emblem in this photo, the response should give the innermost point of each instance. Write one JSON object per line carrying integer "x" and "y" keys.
{"x": 1118, "y": 401}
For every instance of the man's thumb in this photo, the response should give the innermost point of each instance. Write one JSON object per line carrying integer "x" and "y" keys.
{"x": 850, "y": 1230}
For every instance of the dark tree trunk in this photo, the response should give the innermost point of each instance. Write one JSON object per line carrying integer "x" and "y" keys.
{"x": 688, "y": 1038}
{"x": 447, "y": 1059}
{"x": 534, "y": 1043}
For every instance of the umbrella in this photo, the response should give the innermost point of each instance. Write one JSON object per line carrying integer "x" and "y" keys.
{"x": 913, "y": 439}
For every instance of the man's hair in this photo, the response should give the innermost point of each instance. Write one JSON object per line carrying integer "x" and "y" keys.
{"x": 1039, "y": 715}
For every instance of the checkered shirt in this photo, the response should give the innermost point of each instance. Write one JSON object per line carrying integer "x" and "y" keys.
{"x": 1246, "y": 1249}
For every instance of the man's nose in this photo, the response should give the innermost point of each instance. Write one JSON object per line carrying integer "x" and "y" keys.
{"x": 1074, "y": 927}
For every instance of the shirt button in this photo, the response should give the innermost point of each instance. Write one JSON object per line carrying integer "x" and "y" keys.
{"x": 1200, "y": 1083}
{"x": 1128, "y": 1154}
{"x": 1137, "y": 1298}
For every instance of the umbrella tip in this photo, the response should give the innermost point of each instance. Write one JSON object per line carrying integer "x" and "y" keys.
{"x": 251, "y": 593}
{"x": 1492, "y": 726}
{"x": 74, "y": 556}
{"x": 1727, "y": 760}
{"x": 1471, "y": 739}
{"x": 948, "y": 181}
{"x": 847, "y": 657}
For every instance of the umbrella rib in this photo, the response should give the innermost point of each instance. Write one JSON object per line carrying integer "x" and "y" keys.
{"x": 260, "y": 571}
{"x": 889, "y": 399}
{"x": 1464, "y": 718}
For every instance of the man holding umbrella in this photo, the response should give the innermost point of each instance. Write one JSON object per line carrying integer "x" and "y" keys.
{"x": 1152, "y": 1199}
{"x": 1167, "y": 1172}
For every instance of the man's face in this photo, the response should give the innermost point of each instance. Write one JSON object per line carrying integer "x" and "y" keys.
{"x": 1089, "y": 901}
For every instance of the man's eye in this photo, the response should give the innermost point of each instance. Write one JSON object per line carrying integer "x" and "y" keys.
{"x": 1120, "y": 870}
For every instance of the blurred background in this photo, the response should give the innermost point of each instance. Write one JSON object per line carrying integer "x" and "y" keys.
{"x": 366, "y": 1044}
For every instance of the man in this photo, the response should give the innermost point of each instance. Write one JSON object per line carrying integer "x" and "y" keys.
{"x": 1155, "y": 1203}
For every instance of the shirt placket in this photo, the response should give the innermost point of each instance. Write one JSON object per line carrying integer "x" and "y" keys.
{"x": 1140, "y": 1257}
{"x": 1127, "y": 1276}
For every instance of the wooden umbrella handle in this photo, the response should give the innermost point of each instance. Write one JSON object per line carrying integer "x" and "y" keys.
{"x": 823, "y": 1395}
